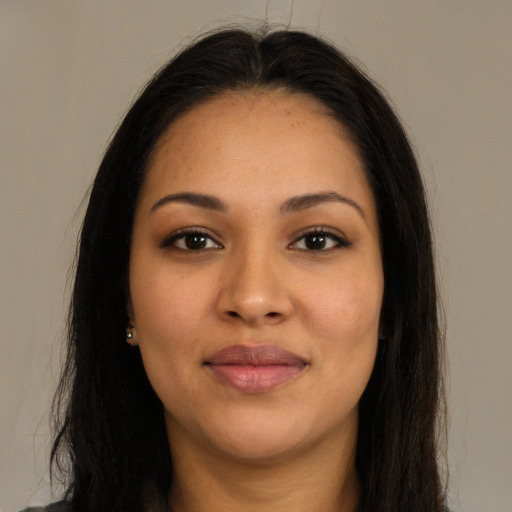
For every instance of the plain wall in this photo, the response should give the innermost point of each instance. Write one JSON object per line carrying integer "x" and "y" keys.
{"x": 70, "y": 68}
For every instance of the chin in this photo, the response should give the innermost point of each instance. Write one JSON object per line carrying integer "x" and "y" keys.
{"x": 245, "y": 435}
{"x": 260, "y": 448}
{"x": 262, "y": 439}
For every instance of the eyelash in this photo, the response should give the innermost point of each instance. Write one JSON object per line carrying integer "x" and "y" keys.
{"x": 321, "y": 232}
{"x": 318, "y": 231}
{"x": 183, "y": 233}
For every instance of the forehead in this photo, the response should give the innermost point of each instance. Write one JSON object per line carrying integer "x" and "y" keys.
{"x": 266, "y": 142}
{"x": 247, "y": 114}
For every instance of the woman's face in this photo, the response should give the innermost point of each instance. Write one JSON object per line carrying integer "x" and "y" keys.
{"x": 256, "y": 277}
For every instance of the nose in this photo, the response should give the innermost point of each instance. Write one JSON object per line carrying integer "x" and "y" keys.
{"x": 253, "y": 289}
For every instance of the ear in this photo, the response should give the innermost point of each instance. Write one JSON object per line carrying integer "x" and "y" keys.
{"x": 129, "y": 309}
{"x": 131, "y": 336}
{"x": 131, "y": 332}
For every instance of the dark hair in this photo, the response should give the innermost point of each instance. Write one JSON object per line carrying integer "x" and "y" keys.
{"x": 110, "y": 422}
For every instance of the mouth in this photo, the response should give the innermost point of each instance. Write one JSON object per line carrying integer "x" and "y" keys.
{"x": 255, "y": 369}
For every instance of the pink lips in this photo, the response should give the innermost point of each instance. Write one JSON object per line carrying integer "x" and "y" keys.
{"x": 255, "y": 369}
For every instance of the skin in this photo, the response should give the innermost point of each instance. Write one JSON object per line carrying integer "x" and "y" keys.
{"x": 257, "y": 281}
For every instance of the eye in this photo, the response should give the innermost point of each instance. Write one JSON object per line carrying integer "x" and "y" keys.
{"x": 319, "y": 239}
{"x": 191, "y": 240}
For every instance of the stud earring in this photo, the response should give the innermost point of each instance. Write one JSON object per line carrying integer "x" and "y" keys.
{"x": 130, "y": 335}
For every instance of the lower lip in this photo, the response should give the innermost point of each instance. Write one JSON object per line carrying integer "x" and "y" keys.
{"x": 255, "y": 379}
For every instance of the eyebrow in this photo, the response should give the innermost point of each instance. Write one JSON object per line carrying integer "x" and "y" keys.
{"x": 294, "y": 204}
{"x": 306, "y": 201}
{"x": 201, "y": 200}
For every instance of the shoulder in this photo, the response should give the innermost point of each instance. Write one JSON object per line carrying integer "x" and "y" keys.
{"x": 60, "y": 506}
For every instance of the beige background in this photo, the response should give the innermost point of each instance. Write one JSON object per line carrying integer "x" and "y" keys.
{"x": 69, "y": 69}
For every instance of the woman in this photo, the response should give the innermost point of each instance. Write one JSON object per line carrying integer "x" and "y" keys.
{"x": 254, "y": 319}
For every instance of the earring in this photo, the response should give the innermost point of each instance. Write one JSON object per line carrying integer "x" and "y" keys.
{"x": 130, "y": 335}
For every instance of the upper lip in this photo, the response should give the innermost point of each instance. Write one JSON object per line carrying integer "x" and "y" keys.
{"x": 256, "y": 355}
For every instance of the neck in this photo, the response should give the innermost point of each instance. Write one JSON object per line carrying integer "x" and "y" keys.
{"x": 322, "y": 479}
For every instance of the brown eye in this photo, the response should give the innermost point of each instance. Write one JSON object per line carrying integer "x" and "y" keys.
{"x": 191, "y": 241}
{"x": 315, "y": 242}
{"x": 195, "y": 242}
{"x": 319, "y": 241}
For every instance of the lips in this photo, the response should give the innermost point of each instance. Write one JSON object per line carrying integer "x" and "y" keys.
{"x": 255, "y": 369}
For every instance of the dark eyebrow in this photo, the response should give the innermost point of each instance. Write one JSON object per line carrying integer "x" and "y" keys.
{"x": 201, "y": 200}
{"x": 306, "y": 201}
{"x": 293, "y": 204}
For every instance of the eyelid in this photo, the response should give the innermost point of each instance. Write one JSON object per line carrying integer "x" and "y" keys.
{"x": 334, "y": 234}
{"x": 189, "y": 230}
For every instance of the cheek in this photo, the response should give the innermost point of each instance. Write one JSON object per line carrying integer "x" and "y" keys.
{"x": 167, "y": 306}
{"x": 346, "y": 328}
{"x": 344, "y": 322}
{"x": 346, "y": 311}
{"x": 167, "y": 317}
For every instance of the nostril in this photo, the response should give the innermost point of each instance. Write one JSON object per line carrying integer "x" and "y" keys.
{"x": 234, "y": 314}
